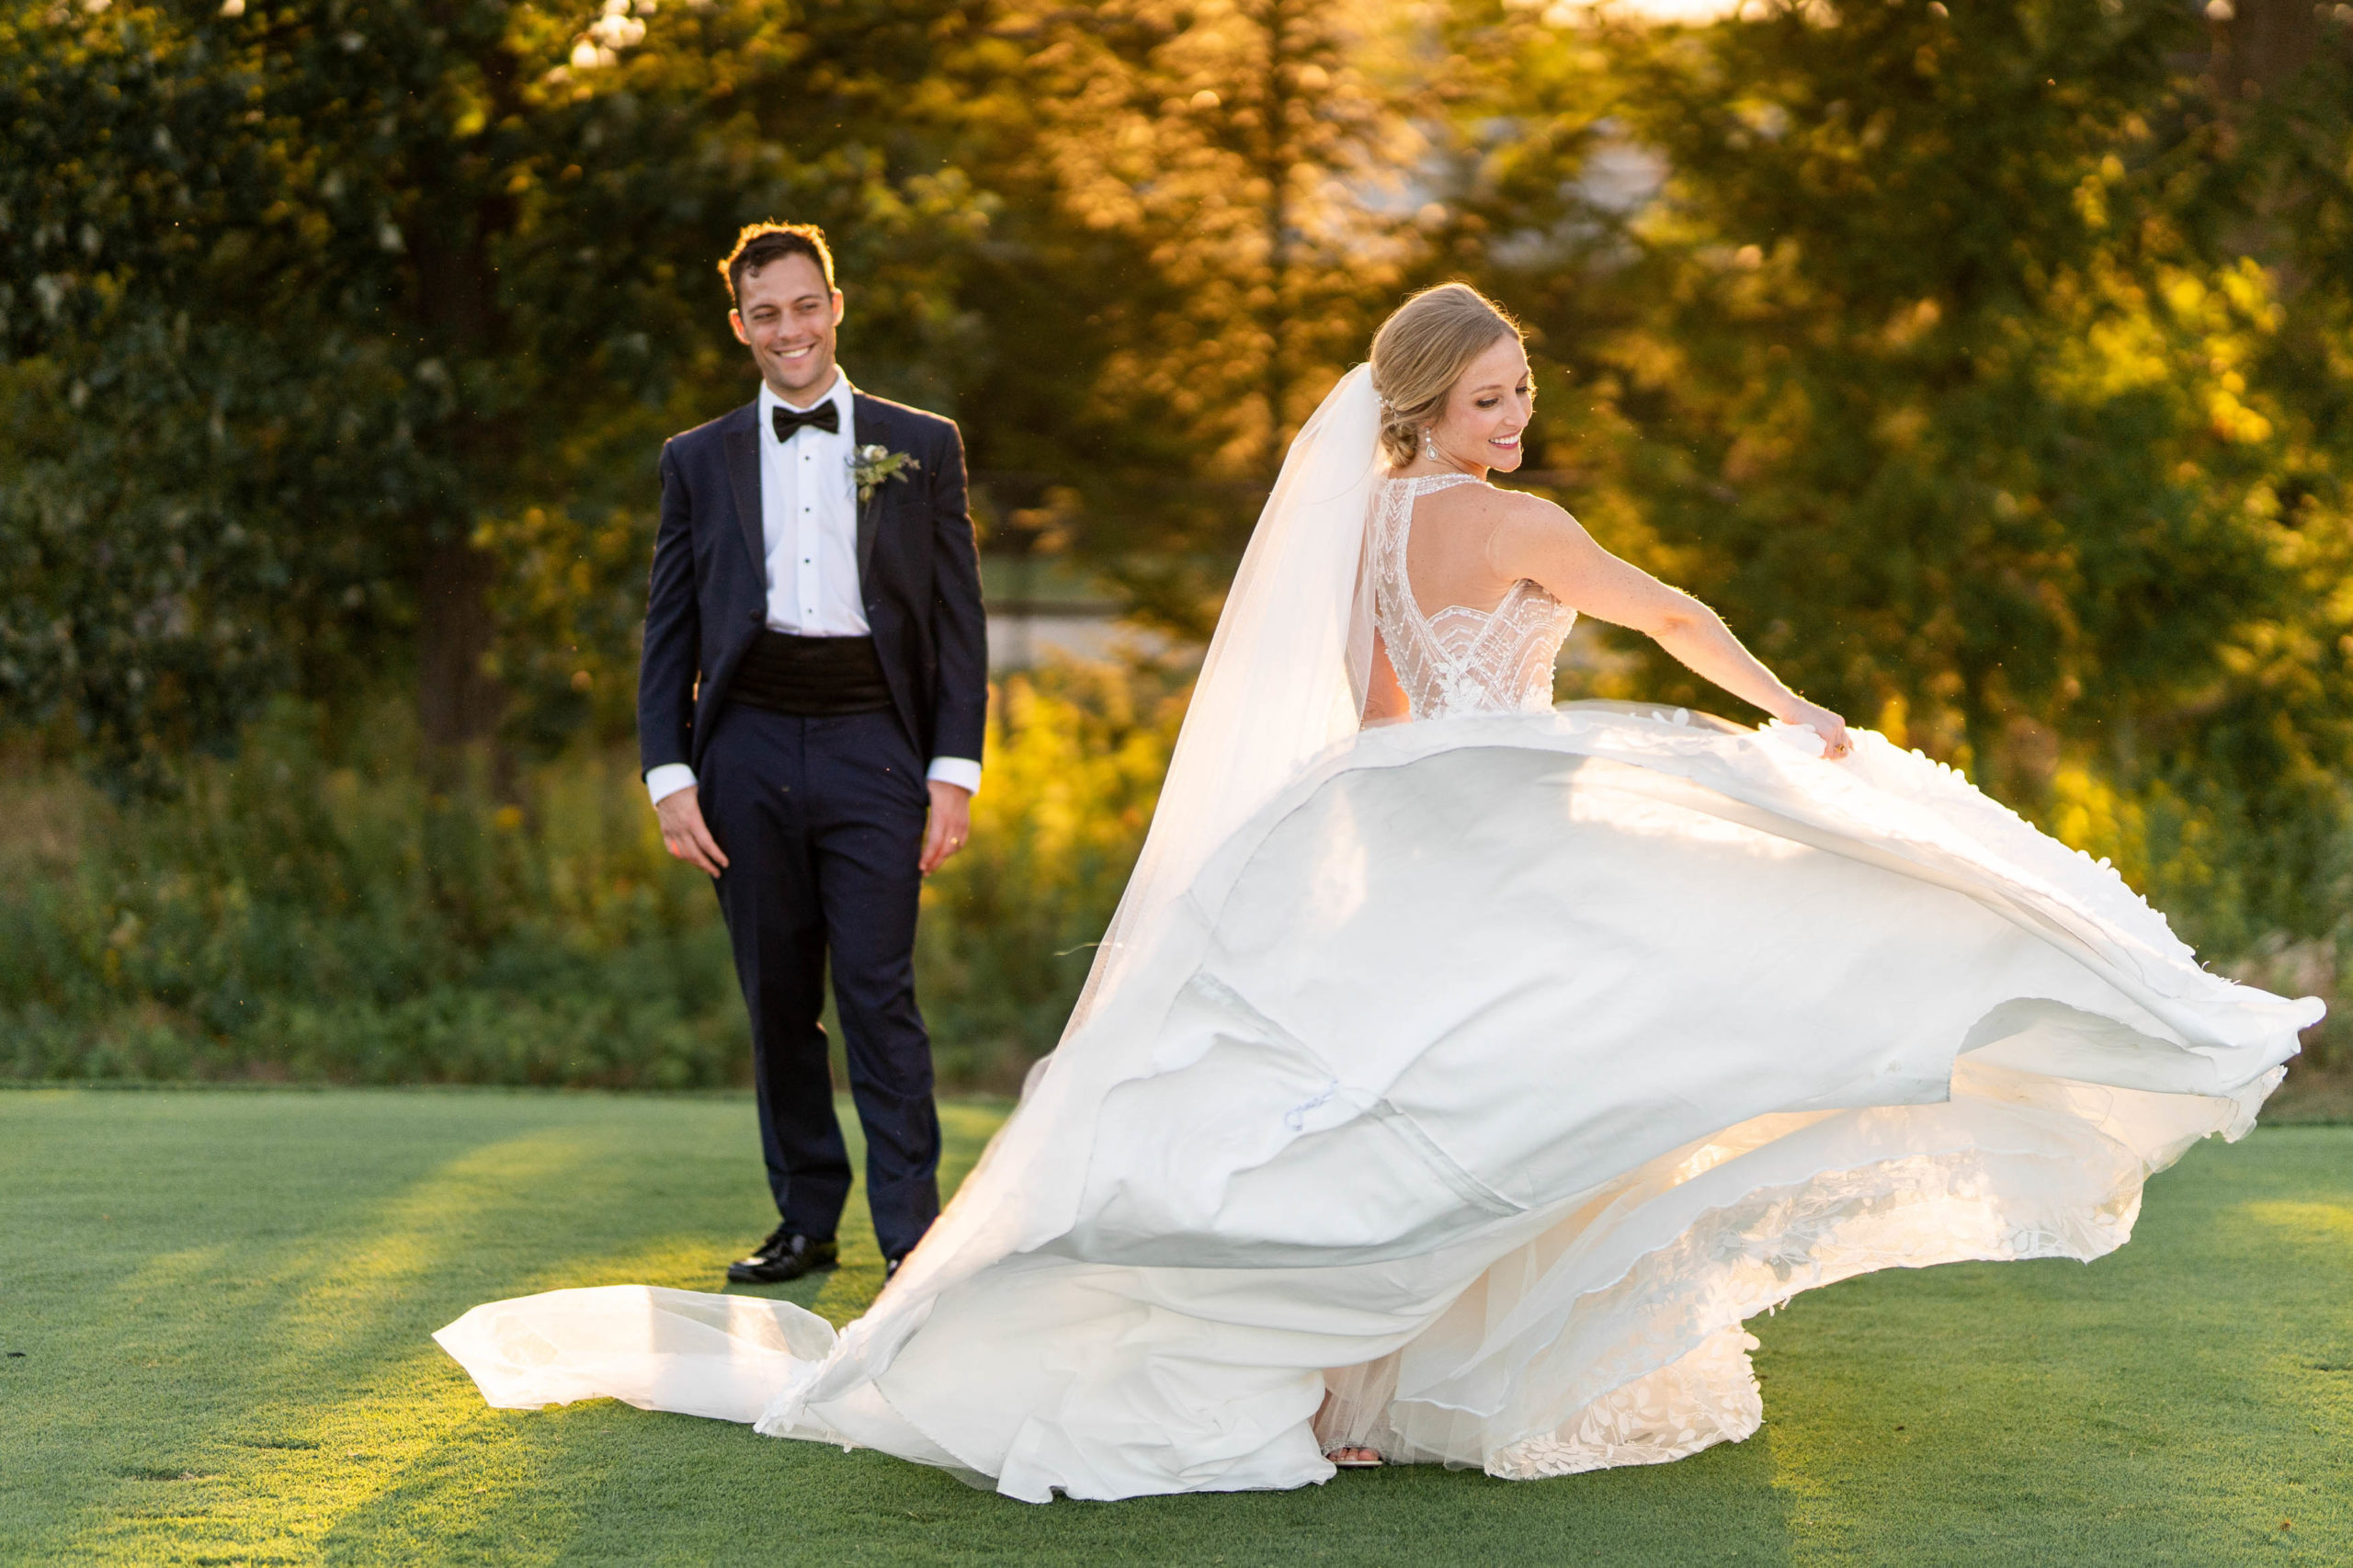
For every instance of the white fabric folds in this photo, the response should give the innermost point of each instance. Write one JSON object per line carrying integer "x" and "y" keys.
{"x": 1488, "y": 1073}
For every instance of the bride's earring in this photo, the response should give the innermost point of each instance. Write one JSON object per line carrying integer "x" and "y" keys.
{"x": 1429, "y": 444}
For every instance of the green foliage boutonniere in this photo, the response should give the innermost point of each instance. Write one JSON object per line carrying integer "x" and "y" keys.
{"x": 876, "y": 466}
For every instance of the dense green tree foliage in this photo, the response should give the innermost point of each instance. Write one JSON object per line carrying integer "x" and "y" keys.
{"x": 309, "y": 307}
{"x": 1989, "y": 362}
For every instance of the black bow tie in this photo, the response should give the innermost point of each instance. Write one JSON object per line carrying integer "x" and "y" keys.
{"x": 825, "y": 417}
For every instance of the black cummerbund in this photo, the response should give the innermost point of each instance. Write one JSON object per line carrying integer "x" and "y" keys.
{"x": 811, "y": 678}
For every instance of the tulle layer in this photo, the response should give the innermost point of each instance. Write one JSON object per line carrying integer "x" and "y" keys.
{"x": 1485, "y": 1082}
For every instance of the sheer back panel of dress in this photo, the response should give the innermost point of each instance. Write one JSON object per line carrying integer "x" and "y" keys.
{"x": 1460, "y": 660}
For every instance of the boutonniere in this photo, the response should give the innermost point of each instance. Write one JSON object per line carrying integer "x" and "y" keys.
{"x": 873, "y": 467}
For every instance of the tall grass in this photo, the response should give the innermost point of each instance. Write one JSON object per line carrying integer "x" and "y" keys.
{"x": 305, "y": 912}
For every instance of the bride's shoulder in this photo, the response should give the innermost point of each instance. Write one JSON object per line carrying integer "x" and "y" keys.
{"x": 1528, "y": 535}
{"x": 1503, "y": 515}
{"x": 1516, "y": 511}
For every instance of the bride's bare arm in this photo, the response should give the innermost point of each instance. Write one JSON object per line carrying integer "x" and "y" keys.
{"x": 1534, "y": 539}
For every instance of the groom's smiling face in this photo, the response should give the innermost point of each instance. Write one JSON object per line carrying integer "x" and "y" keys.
{"x": 787, "y": 316}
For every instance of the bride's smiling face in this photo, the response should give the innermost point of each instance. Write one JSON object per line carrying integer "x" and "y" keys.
{"x": 1488, "y": 409}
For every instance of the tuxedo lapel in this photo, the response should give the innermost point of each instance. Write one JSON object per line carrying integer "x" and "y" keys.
{"x": 869, "y": 427}
{"x": 744, "y": 478}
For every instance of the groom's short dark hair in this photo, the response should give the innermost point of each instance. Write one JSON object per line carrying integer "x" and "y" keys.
{"x": 761, "y": 243}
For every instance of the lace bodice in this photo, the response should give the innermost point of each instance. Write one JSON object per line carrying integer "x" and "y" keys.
{"x": 1460, "y": 660}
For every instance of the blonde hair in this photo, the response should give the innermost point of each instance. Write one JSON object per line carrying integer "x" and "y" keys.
{"x": 1421, "y": 351}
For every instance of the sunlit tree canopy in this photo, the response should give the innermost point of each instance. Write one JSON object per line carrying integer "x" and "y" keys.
{"x": 1987, "y": 363}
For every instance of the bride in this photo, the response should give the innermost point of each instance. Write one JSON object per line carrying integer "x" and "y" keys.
{"x": 1453, "y": 1090}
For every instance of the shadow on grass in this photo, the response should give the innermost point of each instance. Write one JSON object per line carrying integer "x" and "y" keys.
{"x": 226, "y": 1302}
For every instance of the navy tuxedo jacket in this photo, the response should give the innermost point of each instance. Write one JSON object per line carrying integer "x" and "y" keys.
{"x": 918, "y": 575}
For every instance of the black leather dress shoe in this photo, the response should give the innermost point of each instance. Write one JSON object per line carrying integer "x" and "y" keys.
{"x": 890, "y": 1268}
{"x": 784, "y": 1255}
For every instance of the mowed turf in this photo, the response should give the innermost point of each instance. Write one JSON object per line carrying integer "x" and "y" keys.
{"x": 221, "y": 1302}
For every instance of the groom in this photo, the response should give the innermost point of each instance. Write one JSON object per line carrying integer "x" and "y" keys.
{"x": 810, "y": 710}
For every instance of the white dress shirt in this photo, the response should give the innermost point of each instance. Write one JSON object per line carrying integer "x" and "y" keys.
{"x": 809, "y": 520}
{"x": 809, "y": 528}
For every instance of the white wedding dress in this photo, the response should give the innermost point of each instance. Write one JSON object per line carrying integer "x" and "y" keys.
{"x": 1459, "y": 1087}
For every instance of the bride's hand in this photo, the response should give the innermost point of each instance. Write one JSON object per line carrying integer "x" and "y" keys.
{"x": 1835, "y": 743}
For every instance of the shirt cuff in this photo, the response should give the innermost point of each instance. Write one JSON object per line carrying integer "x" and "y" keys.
{"x": 960, "y": 771}
{"x": 668, "y": 780}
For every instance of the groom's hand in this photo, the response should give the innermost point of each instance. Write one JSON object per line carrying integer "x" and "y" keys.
{"x": 684, "y": 833}
{"x": 950, "y": 825}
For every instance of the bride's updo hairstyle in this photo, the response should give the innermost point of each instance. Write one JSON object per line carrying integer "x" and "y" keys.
{"x": 1421, "y": 351}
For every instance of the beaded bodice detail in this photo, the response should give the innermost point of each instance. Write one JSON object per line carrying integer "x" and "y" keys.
{"x": 1460, "y": 660}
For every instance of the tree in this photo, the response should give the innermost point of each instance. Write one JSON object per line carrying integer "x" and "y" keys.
{"x": 324, "y": 302}
{"x": 1929, "y": 366}
{"x": 1203, "y": 224}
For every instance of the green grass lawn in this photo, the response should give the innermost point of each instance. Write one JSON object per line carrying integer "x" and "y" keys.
{"x": 216, "y": 1307}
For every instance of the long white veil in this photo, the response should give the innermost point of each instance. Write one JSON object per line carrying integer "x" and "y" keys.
{"x": 1285, "y": 675}
{"x": 1283, "y": 683}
